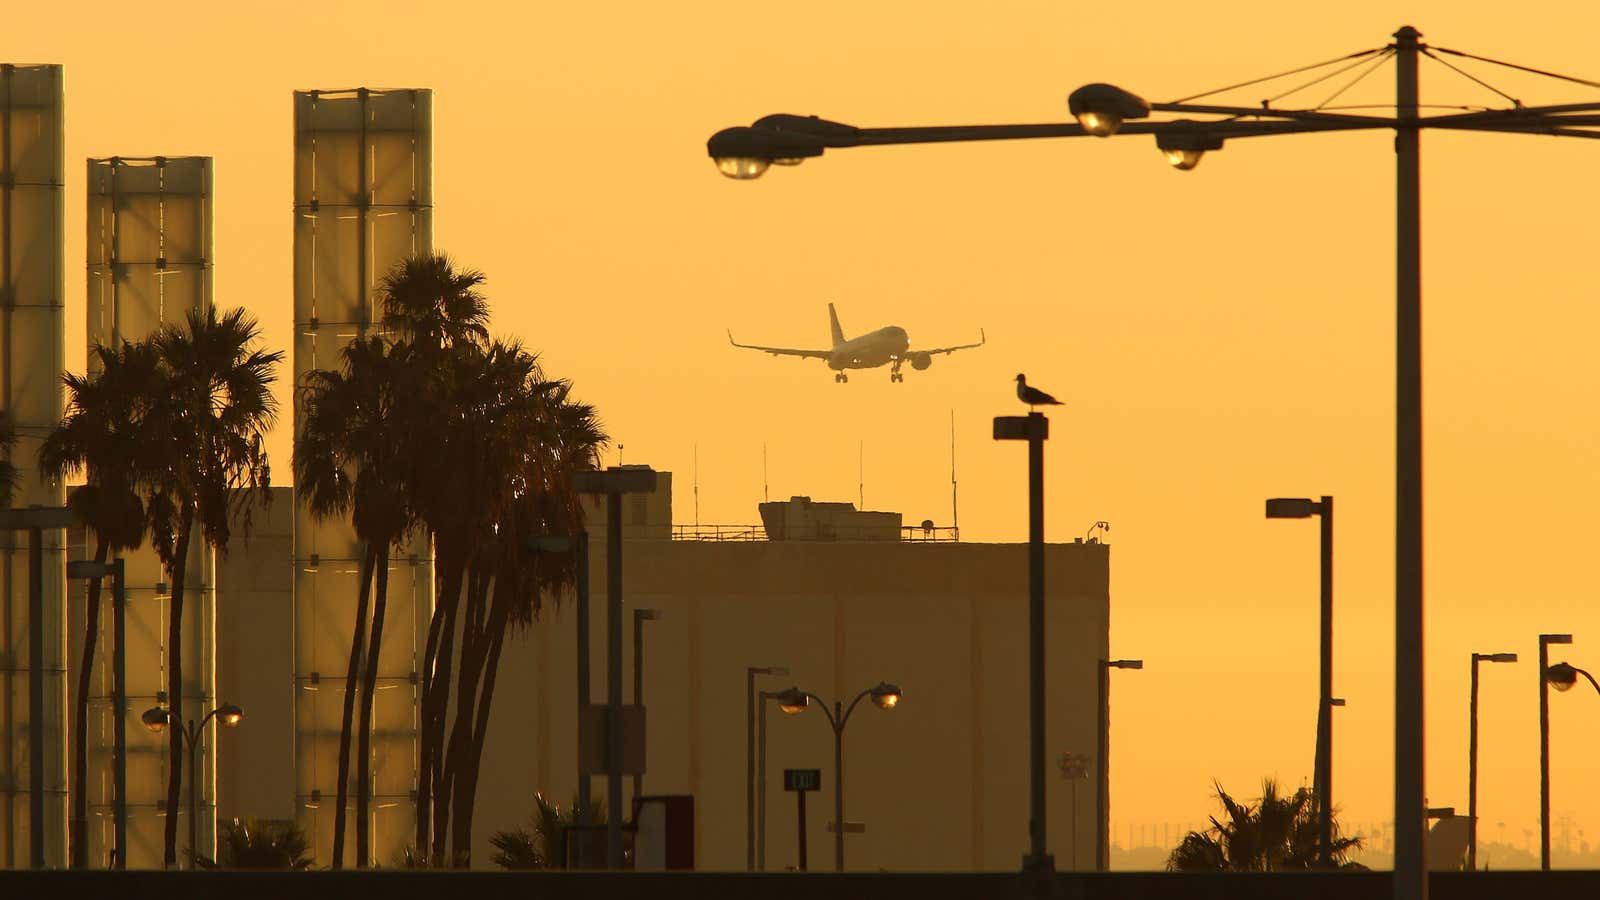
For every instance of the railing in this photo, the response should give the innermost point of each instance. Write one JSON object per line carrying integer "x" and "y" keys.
{"x": 908, "y": 533}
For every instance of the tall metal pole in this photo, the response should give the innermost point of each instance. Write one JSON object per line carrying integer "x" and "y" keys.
{"x": 1544, "y": 754}
{"x": 614, "y": 679}
{"x": 750, "y": 769}
{"x": 1410, "y": 873}
{"x": 801, "y": 795}
{"x": 1472, "y": 773}
{"x": 36, "y": 728}
{"x": 838, "y": 787}
{"x": 585, "y": 813}
{"x": 119, "y": 706}
{"x": 1038, "y": 859}
{"x": 761, "y": 782}
{"x": 1325, "y": 707}
{"x": 638, "y": 693}
{"x": 1102, "y": 782}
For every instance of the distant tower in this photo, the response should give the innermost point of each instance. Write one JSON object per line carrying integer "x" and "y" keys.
{"x": 363, "y": 201}
{"x": 149, "y": 264}
{"x": 32, "y": 357}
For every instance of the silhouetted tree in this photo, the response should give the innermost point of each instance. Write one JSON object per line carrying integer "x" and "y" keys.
{"x": 254, "y": 844}
{"x": 350, "y": 460}
{"x": 209, "y": 422}
{"x": 103, "y": 436}
{"x": 1276, "y": 833}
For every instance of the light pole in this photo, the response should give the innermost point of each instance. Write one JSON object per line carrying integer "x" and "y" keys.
{"x": 1562, "y": 677}
{"x": 884, "y": 696}
{"x": 1472, "y": 756}
{"x": 640, "y": 616}
{"x": 88, "y": 568}
{"x": 157, "y": 719}
{"x": 791, "y": 700}
{"x": 1322, "y": 791}
{"x": 1545, "y": 640}
{"x": 613, "y": 483}
{"x": 750, "y": 674}
{"x": 1103, "y": 110}
{"x": 1102, "y": 788}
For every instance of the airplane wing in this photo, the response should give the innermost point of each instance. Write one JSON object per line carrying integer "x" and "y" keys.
{"x": 982, "y": 339}
{"x": 781, "y": 351}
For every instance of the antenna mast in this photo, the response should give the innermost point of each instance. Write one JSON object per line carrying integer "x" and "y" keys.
{"x": 764, "y": 497}
{"x": 861, "y": 474}
{"x": 955, "y": 509}
{"x": 697, "y": 485}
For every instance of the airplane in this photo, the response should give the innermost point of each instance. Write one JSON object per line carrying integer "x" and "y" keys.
{"x": 887, "y": 346}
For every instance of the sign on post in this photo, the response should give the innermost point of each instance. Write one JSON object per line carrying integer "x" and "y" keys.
{"x": 802, "y": 779}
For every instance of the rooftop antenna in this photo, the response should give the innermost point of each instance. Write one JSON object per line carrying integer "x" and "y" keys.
{"x": 619, "y": 456}
{"x": 955, "y": 514}
{"x": 861, "y": 475}
{"x": 697, "y": 485}
{"x": 764, "y": 497}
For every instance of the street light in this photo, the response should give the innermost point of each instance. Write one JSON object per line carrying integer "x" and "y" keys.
{"x": 1322, "y": 792}
{"x": 1545, "y": 640}
{"x": 1102, "y": 815}
{"x": 790, "y": 701}
{"x": 1102, "y": 110}
{"x": 884, "y": 696}
{"x": 157, "y": 719}
{"x": 750, "y": 674}
{"x": 1472, "y": 756}
{"x": 1562, "y": 677}
{"x": 640, "y": 616}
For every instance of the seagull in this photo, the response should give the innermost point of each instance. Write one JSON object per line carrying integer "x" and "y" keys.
{"x": 1032, "y": 395}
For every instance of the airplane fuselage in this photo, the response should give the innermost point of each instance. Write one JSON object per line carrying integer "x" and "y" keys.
{"x": 871, "y": 350}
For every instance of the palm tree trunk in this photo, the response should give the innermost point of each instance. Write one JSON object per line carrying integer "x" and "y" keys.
{"x": 177, "y": 571}
{"x": 80, "y": 737}
{"x": 352, "y": 678}
{"x": 467, "y": 788}
{"x": 368, "y": 688}
{"x": 436, "y": 689}
{"x": 466, "y": 690}
{"x": 463, "y": 777}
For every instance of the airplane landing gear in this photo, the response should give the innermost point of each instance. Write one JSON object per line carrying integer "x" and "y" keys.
{"x": 894, "y": 373}
{"x": 841, "y": 378}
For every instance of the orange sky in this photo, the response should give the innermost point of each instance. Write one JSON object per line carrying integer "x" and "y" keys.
{"x": 1219, "y": 336}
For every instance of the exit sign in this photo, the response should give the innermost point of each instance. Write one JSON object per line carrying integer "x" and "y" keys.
{"x": 802, "y": 779}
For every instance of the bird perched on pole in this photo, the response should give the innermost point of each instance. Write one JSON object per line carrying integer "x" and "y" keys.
{"x": 1032, "y": 395}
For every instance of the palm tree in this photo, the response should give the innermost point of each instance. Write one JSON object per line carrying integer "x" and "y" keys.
{"x": 540, "y": 845}
{"x": 349, "y": 459}
{"x": 101, "y": 436}
{"x": 9, "y": 477}
{"x": 263, "y": 845}
{"x": 1276, "y": 833}
{"x": 208, "y": 428}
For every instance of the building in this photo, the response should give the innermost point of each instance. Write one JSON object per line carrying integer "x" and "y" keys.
{"x": 946, "y": 621}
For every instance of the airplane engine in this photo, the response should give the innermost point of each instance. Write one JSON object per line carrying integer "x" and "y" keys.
{"x": 920, "y": 361}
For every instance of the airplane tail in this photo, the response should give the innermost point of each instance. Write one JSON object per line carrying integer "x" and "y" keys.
{"x": 833, "y": 323}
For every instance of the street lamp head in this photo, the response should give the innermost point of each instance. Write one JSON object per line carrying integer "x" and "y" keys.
{"x": 886, "y": 695}
{"x": 156, "y": 718}
{"x": 1184, "y": 147}
{"x": 792, "y": 701}
{"x": 1291, "y": 508}
{"x": 230, "y": 714}
{"x": 1561, "y": 676}
{"x": 1125, "y": 664}
{"x": 1555, "y": 638}
{"x": 1495, "y": 657}
{"x": 1101, "y": 108}
{"x": 745, "y": 153}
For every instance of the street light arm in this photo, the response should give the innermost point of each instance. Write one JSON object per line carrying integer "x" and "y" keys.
{"x": 1588, "y": 676}
{"x": 823, "y": 704}
{"x": 852, "y": 707}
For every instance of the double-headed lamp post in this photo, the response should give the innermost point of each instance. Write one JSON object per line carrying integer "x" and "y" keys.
{"x": 1472, "y": 755}
{"x": 1103, "y": 110}
{"x": 157, "y": 719}
{"x": 794, "y": 701}
{"x": 1562, "y": 677}
{"x": 1304, "y": 508}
